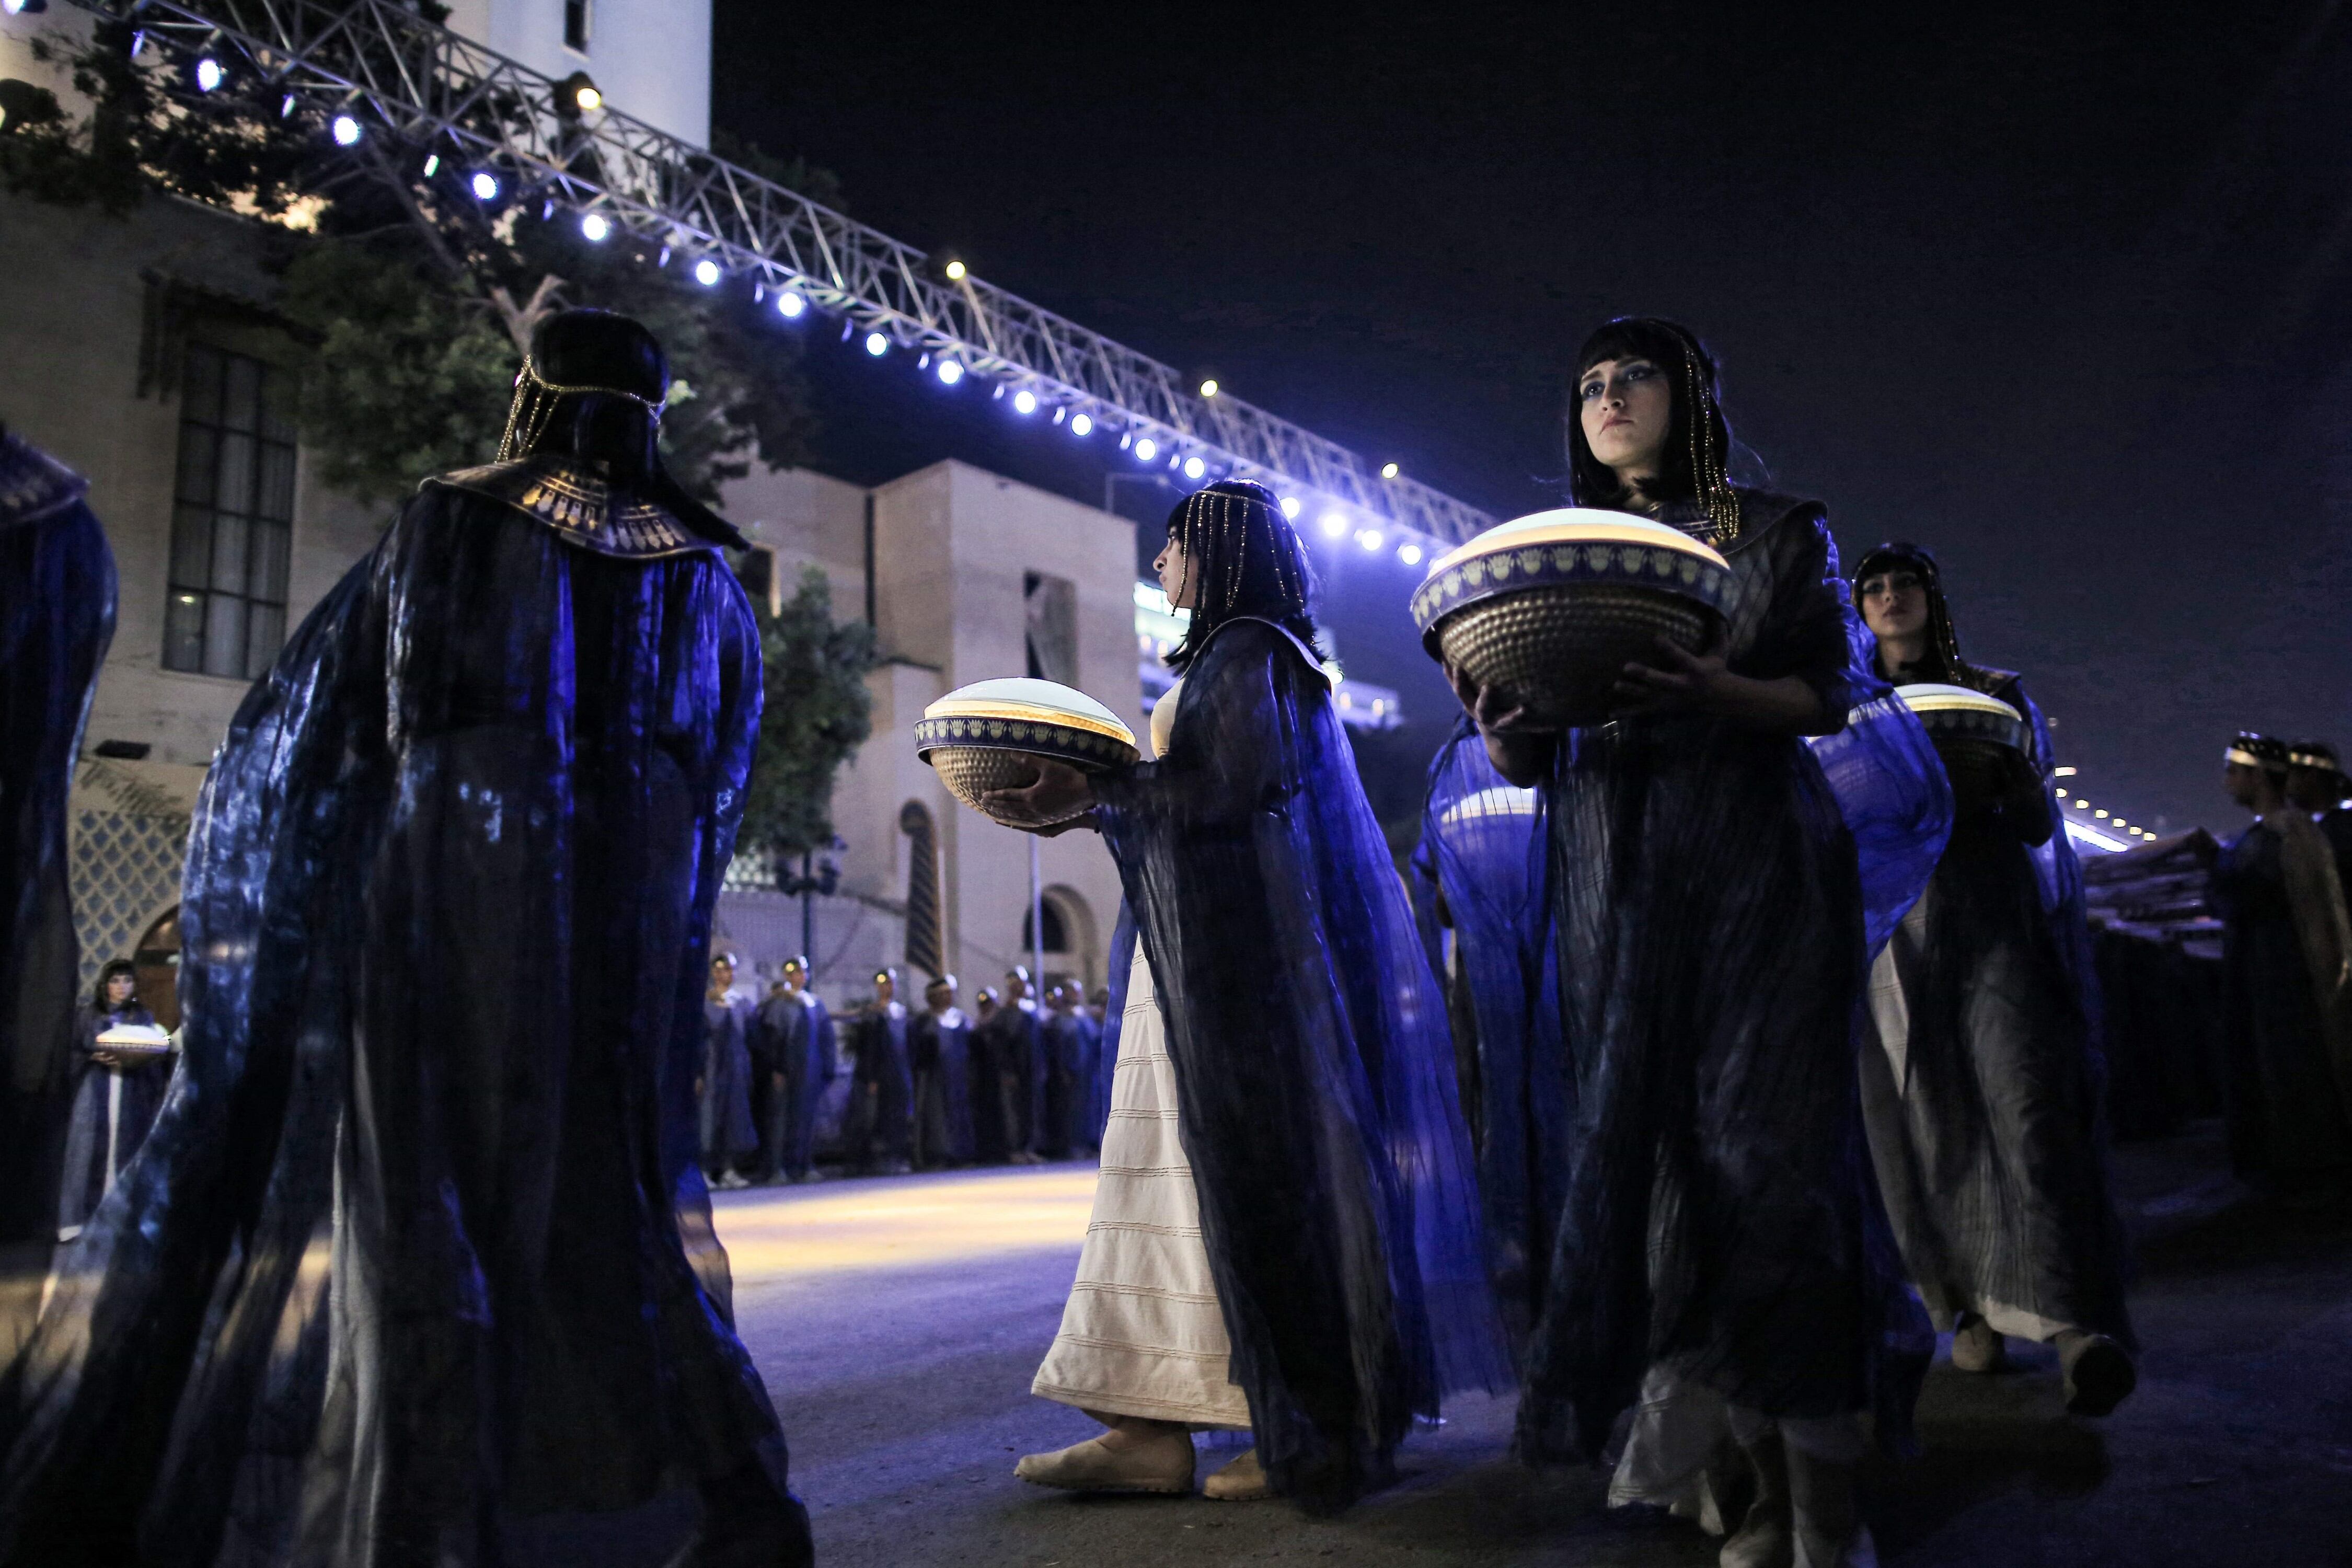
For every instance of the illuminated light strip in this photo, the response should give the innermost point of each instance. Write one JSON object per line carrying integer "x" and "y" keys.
{"x": 423, "y": 82}
{"x": 2092, "y": 836}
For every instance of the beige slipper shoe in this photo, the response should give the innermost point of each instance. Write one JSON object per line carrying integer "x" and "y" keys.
{"x": 1243, "y": 1481}
{"x": 1160, "y": 1464}
{"x": 1976, "y": 1348}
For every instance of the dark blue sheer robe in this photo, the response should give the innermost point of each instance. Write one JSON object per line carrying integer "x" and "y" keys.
{"x": 1122, "y": 961}
{"x": 417, "y": 1266}
{"x": 1990, "y": 1150}
{"x": 56, "y": 616}
{"x": 1315, "y": 1079}
{"x": 1481, "y": 865}
{"x": 938, "y": 1046}
{"x": 1712, "y": 925}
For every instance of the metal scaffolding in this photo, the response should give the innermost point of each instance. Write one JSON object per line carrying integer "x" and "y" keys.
{"x": 393, "y": 72}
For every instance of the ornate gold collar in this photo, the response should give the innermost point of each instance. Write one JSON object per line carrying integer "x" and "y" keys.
{"x": 583, "y": 510}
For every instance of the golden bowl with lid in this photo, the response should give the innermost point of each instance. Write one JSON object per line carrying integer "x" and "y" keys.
{"x": 1551, "y": 608}
{"x": 989, "y": 736}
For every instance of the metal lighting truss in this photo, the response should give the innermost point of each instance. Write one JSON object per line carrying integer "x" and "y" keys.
{"x": 391, "y": 69}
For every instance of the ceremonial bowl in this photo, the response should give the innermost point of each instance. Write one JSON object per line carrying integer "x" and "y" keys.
{"x": 989, "y": 735}
{"x": 1979, "y": 738}
{"x": 134, "y": 1040}
{"x": 1550, "y": 608}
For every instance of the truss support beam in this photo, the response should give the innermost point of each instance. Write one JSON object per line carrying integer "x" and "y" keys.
{"x": 398, "y": 74}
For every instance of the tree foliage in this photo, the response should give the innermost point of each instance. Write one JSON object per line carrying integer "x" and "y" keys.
{"x": 413, "y": 301}
{"x": 818, "y": 711}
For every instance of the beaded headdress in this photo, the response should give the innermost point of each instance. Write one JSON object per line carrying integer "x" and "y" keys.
{"x": 1236, "y": 543}
{"x": 2315, "y": 754}
{"x": 536, "y": 399}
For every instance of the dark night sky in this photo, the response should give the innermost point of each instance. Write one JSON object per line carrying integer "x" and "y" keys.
{"x": 2060, "y": 292}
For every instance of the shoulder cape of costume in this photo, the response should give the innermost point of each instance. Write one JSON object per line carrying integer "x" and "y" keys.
{"x": 583, "y": 508}
{"x": 1315, "y": 1079}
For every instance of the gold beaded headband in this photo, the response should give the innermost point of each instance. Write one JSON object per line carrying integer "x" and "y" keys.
{"x": 535, "y": 401}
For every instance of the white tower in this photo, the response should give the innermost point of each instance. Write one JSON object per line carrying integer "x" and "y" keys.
{"x": 651, "y": 58}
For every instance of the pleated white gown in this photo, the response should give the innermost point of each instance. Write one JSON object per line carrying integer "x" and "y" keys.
{"x": 1142, "y": 1333}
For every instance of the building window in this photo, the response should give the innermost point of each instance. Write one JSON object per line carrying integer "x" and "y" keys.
{"x": 575, "y": 25}
{"x": 232, "y": 517}
{"x": 1052, "y": 607}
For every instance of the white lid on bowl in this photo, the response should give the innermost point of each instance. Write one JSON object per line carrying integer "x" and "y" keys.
{"x": 136, "y": 1037}
{"x": 1933, "y": 696}
{"x": 1018, "y": 697}
{"x": 1576, "y": 525}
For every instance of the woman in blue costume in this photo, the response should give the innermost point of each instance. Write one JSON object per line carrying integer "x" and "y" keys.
{"x": 1718, "y": 1225}
{"x": 417, "y": 1266}
{"x": 1480, "y": 867}
{"x": 56, "y": 616}
{"x": 1982, "y": 1094}
{"x": 115, "y": 1097}
{"x": 1312, "y": 1079}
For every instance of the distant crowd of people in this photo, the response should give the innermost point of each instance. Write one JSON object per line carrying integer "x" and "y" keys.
{"x": 1018, "y": 1081}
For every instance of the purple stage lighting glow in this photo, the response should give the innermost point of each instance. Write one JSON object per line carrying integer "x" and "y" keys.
{"x": 1290, "y": 508}
{"x": 1370, "y": 538}
{"x": 1146, "y": 450}
{"x": 1024, "y": 402}
{"x": 1081, "y": 426}
{"x": 1333, "y": 522}
{"x": 1194, "y": 468}
{"x": 1409, "y": 552}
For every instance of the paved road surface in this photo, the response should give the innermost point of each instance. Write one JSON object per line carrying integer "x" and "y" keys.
{"x": 898, "y": 1322}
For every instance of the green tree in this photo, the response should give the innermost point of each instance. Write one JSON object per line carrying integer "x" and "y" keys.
{"x": 817, "y": 712}
{"x": 415, "y": 301}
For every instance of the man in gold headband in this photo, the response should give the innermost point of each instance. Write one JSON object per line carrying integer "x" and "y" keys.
{"x": 2288, "y": 978}
{"x": 2315, "y": 784}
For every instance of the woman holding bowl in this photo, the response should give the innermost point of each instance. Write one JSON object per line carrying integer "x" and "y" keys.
{"x": 1286, "y": 1233}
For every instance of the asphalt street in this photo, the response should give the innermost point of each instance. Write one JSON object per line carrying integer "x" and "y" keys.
{"x": 898, "y": 1322}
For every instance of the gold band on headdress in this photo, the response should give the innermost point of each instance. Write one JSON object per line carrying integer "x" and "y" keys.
{"x": 2245, "y": 759}
{"x": 1710, "y": 469}
{"x": 535, "y": 399}
{"x": 2319, "y": 760}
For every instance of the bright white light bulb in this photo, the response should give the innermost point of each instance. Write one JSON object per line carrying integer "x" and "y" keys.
{"x": 432, "y": 164}
{"x": 1146, "y": 450}
{"x": 876, "y": 344}
{"x": 208, "y": 74}
{"x": 347, "y": 130}
{"x": 705, "y": 272}
{"x": 1290, "y": 508}
{"x": 589, "y": 100}
{"x": 1209, "y": 387}
{"x": 2082, "y": 804}
{"x": 1370, "y": 538}
{"x": 595, "y": 226}
{"x": 1194, "y": 468}
{"x": 1388, "y": 470}
{"x": 1409, "y": 552}
{"x": 789, "y": 305}
{"x": 1334, "y": 523}
{"x": 486, "y": 185}
{"x": 950, "y": 373}
{"x": 955, "y": 272}
{"x": 1081, "y": 426}
{"x": 2101, "y": 814}
{"x": 1024, "y": 402}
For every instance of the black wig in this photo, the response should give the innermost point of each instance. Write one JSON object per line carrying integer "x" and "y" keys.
{"x": 1695, "y": 465}
{"x": 106, "y": 974}
{"x": 1246, "y": 559}
{"x": 1943, "y": 661}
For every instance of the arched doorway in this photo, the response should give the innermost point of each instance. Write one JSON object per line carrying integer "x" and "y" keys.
{"x": 155, "y": 968}
{"x": 1071, "y": 950}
